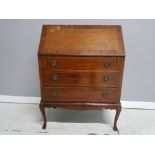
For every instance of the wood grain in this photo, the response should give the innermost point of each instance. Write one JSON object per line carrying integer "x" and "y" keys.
{"x": 81, "y": 63}
{"x": 74, "y": 61}
{"x": 81, "y": 94}
{"x": 81, "y": 78}
{"x": 81, "y": 40}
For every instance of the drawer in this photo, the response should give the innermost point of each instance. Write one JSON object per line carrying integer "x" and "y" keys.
{"x": 80, "y": 78}
{"x": 81, "y": 63}
{"x": 82, "y": 94}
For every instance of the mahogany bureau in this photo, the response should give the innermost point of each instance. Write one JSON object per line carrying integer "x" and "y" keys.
{"x": 81, "y": 67}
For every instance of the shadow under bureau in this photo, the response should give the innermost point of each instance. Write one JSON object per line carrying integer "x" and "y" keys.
{"x": 81, "y": 67}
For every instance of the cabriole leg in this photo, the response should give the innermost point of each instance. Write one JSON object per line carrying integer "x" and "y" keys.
{"x": 42, "y": 109}
{"x": 118, "y": 110}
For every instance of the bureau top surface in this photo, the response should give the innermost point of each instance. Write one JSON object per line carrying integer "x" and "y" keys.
{"x": 86, "y": 40}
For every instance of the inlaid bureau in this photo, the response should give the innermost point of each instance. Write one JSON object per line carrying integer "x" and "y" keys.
{"x": 81, "y": 67}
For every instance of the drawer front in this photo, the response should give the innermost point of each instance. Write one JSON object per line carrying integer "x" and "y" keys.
{"x": 81, "y": 94}
{"x": 81, "y": 63}
{"x": 80, "y": 78}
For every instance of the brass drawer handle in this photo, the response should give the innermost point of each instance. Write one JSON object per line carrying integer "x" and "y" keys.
{"x": 54, "y": 63}
{"x": 106, "y": 65}
{"x": 105, "y": 94}
{"x": 54, "y": 94}
{"x": 55, "y": 77}
{"x": 106, "y": 78}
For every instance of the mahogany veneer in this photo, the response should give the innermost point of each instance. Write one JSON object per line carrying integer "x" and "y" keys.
{"x": 81, "y": 67}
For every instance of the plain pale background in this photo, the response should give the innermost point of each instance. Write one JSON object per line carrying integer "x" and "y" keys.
{"x": 19, "y": 40}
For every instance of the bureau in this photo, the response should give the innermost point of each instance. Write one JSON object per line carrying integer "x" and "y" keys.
{"x": 81, "y": 67}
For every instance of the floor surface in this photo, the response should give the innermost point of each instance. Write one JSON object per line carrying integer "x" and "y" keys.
{"x": 27, "y": 119}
